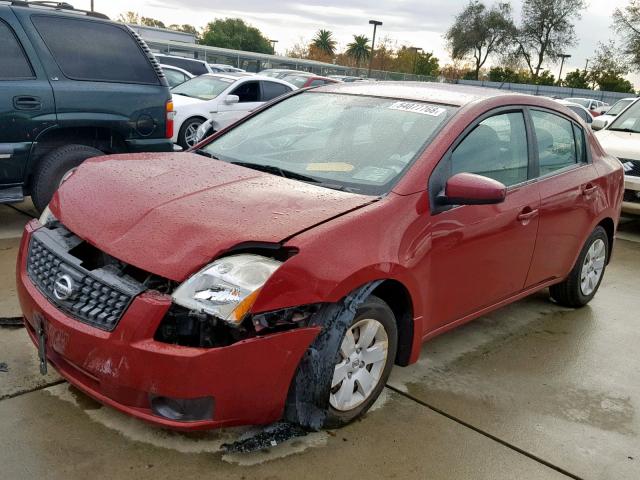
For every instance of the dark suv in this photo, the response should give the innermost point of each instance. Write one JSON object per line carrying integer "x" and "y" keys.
{"x": 73, "y": 85}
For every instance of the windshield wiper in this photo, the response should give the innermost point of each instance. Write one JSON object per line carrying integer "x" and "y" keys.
{"x": 202, "y": 151}
{"x": 626, "y": 130}
{"x": 277, "y": 171}
{"x": 183, "y": 94}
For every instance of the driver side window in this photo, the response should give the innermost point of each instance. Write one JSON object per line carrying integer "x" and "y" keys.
{"x": 495, "y": 148}
{"x": 248, "y": 92}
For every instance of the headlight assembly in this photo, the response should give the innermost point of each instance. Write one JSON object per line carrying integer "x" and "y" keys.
{"x": 228, "y": 287}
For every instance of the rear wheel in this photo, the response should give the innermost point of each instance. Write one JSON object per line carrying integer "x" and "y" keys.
{"x": 584, "y": 280}
{"x": 54, "y": 168}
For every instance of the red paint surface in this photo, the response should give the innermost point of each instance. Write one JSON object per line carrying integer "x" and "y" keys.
{"x": 474, "y": 187}
{"x": 174, "y": 213}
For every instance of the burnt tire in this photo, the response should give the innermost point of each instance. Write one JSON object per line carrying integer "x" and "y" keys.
{"x": 584, "y": 280}
{"x": 52, "y": 169}
{"x": 311, "y": 401}
{"x": 188, "y": 132}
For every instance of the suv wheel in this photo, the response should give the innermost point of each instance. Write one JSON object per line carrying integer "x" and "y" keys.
{"x": 54, "y": 167}
{"x": 584, "y": 280}
{"x": 188, "y": 135}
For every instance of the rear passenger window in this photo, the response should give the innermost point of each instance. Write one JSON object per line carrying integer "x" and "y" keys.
{"x": 496, "y": 148}
{"x": 271, "y": 90}
{"x": 556, "y": 141}
{"x": 90, "y": 50}
{"x": 13, "y": 62}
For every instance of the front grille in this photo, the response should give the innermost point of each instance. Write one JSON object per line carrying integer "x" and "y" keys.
{"x": 631, "y": 196}
{"x": 632, "y": 167}
{"x": 98, "y": 297}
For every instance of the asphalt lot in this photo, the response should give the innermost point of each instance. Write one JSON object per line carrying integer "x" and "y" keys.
{"x": 533, "y": 391}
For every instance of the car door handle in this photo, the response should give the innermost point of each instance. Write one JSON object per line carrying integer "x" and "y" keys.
{"x": 589, "y": 189}
{"x": 527, "y": 214}
{"x": 27, "y": 103}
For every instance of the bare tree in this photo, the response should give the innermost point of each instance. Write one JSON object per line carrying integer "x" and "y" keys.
{"x": 546, "y": 30}
{"x": 479, "y": 32}
{"x": 627, "y": 24}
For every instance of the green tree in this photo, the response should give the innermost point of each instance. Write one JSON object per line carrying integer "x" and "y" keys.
{"x": 608, "y": 69}
{"x": 152, "y": 22}
{"x": 324, "y": 42}
{"x": 186, "y": 28}
{"x": 506, "y": 75}
{"x": 545, "y": 78}
{"x": 627, "y": 24}
{"x": 479, "y": 32}
{"x": 235, "y": 34}
{"x": 546, "y": 30}
{"x": 576, "y": 79}
{"x": 359, "y": 49}
{"x": 408, "y": 60}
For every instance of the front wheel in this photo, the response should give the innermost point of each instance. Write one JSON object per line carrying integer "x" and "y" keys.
{"x": 584, "y": 280}
{"x": 187, "y": 137}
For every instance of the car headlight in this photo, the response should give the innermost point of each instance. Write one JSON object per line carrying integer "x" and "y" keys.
{"x": 203, "y": 130}
{"x": 46, "y": 216}
{"x": 228, "y": 287}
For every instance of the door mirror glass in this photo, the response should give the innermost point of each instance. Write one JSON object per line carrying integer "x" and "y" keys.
{"x": 231, "y": 99}
{"x": 599, "y": 124}
{"x": 471, "y": 189}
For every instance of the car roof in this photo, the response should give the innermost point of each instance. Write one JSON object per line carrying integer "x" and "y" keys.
{"x": 446, "y": 93}
{"x": 231, "y": 76}
{"x": 173, "y": 67}
{"x": 181, "y": 58}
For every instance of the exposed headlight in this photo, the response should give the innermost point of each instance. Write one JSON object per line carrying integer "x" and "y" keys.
{"x": 228, "y": 287}
{"x": 46, "y": 216}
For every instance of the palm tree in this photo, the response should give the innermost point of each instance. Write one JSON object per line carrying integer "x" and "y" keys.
{"x": 324, "y": 42}
{"x": 359, "y": 49}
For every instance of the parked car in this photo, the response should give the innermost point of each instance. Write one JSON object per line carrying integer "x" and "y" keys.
{"x": 596, "y": 107}
{"x": 621, "y": 138}
{"x": 284, "y": 267}
{"x": 222, "y": 97}
{"x": 63, "y": 101}
{"x": 175, "y": 75}
{"x": 192, "y": 65}
{"x": 223, "y": 67}
{"x": 613, "y": 112}
{"x": 304, "y": 80}
{"x": 579, "y": 110}
{"x": 279, "y": 72}
{"x": 347, "y": 78}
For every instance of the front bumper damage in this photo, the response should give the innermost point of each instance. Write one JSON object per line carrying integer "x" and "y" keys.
{"x": 244, "y": 383}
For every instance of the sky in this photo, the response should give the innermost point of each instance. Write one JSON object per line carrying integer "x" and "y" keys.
{"x": 419, "y": 23}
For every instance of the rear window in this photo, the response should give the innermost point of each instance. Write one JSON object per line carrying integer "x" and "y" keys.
{"x": 271, "y": 90}
{"x": 94, "y": 51}
{"x": 13, "y": 62}
{"x": 192, "y": 66}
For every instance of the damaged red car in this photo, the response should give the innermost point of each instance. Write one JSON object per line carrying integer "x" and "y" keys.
{"x": 285, "y": 265}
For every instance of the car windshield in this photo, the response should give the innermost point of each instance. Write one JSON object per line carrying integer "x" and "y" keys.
{"x": 297, "y": 80}
{"x": 628, "y": 121}
{"x": 618, "y": 107}
{"x": 585, "y": 102}
{"x": 204, "y": 87}
{"x": 354, "y": 143}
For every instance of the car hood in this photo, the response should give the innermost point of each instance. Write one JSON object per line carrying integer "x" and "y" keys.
{"x": 182, "y": 101}
{"x": 620, "y": 144}
{"x": 170, "y": 214}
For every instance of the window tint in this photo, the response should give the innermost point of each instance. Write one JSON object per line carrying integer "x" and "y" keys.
{"x": 174, "y": 77}
{"x": 13, "y": 63}
{"x": 556, "y": 141}
{"x": 90, "y": 50}
{"x": 192, "y": 66}
{"x": 581, "y": 149}
{"x": 581, "y": 113}
{"x": 248, "y": 92}
{"x": 271, "y": 90}
{"x": 496, "y": 148}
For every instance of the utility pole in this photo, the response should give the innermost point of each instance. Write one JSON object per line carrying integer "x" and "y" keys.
{"x": 563, "y": 56}
{"x": 273, "y": 45}
{"x": 586, "y": 65}
{"x": 92, "y": 5}
{"x": 375, "y": 24}
{"x": 415, "y": 58}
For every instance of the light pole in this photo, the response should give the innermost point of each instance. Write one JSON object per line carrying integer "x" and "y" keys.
{"x": 273, "y": 45}
{"x": 92, "y": 5}
{"x": 375, "y": 24}
{"x": 415, "y": 58}
{"x": 563, "y": 56}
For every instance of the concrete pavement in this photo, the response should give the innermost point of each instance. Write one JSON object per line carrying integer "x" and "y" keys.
{"x": 532, "y": 391}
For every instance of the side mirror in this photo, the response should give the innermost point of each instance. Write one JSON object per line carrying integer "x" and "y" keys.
{"x": 472, "y": 189}
{"x": 599, "y": 124}
{"x": 231, "y": 99}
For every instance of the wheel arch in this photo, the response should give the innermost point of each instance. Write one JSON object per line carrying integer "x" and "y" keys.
{"x": 610, "y": 228}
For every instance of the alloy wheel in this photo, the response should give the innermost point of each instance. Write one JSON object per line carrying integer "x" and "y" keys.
{"x": 592, "y": 267}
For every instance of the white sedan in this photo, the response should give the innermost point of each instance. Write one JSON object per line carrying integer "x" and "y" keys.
{"x": 223, "y": 98}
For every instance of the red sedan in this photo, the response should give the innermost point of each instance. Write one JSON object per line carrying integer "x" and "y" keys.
{"x": 303, "y": 80}
{"x": 286, "y": 264}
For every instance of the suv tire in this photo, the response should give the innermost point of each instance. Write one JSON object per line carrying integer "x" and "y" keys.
{"x": 52, "y": 169}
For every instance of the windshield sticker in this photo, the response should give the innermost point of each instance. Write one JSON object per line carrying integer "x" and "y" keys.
{"x": 420, "y": 108}
{"x": 374, "y": 174}
{"x": 330, "y": 167}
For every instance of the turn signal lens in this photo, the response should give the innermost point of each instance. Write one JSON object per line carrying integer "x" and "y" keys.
{"x": 170, "y": 115}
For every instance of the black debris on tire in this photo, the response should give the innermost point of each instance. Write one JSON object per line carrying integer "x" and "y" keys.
{"x": 312, "y": 383}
